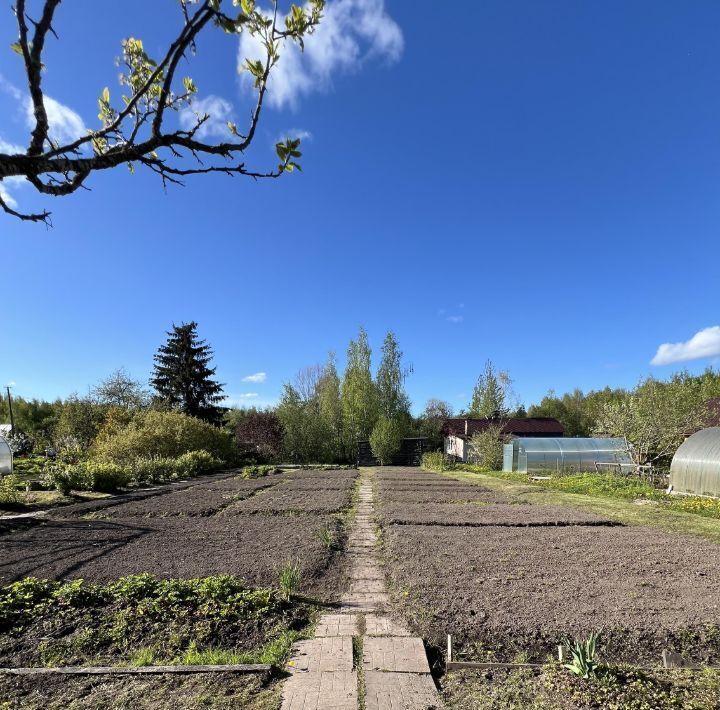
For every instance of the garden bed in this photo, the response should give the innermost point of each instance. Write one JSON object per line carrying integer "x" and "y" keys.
{"x": 474, "y": 514}
{"x": 141, "y": 620}
{"x": 554, "y": 688}
{"x": 249, "y": 546}
{"x": 283, "y": 499}
{"x": 197, "y": 501}
{"x": 219, "y": 691}
{"x": 439, "y": 494}
{"x": 504, "y": 591}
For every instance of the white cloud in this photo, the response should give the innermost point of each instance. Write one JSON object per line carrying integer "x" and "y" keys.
{"x": 454, "y": 319}
{"x": 245, "y": 395}
{"x": 257, "y": 377}
{"x": 705, "y": 343}
{"x": 300, "y": 133}
{"x": 10, "y": 148}
{"x": 219, "y": 110}
{"x": 350, "y": 32}
{"x": 7, "y": 198}
{"x": 65, "y": 125}
{"x": 10, "y": 88}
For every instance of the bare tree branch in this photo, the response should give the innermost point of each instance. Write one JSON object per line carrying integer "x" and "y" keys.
{"x": 137, "y": 132}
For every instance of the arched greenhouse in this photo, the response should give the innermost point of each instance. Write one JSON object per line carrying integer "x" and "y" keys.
{"x": 526, "y": 454}
{"x": 6, "y": 458}
{"x": 695, "y": 467}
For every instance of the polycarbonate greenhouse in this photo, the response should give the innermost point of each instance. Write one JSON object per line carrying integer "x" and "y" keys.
{"x": 6, "y": 458}
{"x": 526, "y": 454}
{"x": 695, "y": 467}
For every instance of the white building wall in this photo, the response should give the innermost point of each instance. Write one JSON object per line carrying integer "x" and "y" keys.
{"x": 455, "y": 446}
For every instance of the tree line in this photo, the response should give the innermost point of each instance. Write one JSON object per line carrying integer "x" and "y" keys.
{"x": 323, "y": 412}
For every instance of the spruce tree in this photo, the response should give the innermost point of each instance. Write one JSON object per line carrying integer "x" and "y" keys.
{"x": 182, "y": 376}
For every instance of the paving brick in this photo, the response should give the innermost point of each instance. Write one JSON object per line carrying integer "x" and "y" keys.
{"x": 400, "y": 691}
{"x": 376, "y": 625}
{"x": 366, "y": 571}
{"x": 336, "y": 625}
{"x": 327, "y": 690}
{"x": 367, "y": 586}
{"x": 401, "y": 655}
{"x": 363, "y": 601}
{"x": 322, "y": 654}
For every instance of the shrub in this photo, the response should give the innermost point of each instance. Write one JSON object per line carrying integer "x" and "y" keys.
{"x": 258, "y": 471}
{"x": 9, "y": 489}
{"x": 66, "y": 478}
{"x": 437, "y": 461}
{"x": 486, "y": 447}
{"x": 153, "y": 434}
{"x": 196, "y": 462}
{"x": 105, "y": 477}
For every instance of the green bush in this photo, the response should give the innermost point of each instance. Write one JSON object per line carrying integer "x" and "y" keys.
{"x": 193, "y": 463}
{"x": 66, "y": 478}
{"x": 106, "y": 477}
{"x": 437, "y": 461}
{"x": 153, "y": 434}
{"x": 9, "y": 489}
{"x": 258, "y": 471}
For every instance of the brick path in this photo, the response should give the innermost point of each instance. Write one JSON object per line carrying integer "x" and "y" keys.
{"x": 394, "y": 672}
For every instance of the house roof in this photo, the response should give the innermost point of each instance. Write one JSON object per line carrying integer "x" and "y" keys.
{"x": 526, "y": 426}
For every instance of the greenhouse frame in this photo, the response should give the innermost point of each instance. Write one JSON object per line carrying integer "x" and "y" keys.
{"x": 528, "y": 454}
{"x": 6, "y": 458}
{"x": 695, "y": 468}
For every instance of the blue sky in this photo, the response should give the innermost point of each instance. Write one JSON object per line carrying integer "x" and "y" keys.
{"x": 535, "y": 183}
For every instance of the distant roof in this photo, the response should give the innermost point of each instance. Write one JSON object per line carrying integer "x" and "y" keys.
{"x": 525, "y": 426}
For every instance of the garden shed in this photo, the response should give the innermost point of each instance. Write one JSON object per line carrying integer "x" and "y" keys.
{"x": 695, "y": 467}
{"x": 526, "y": 454}
{"x": 6, "y": 458}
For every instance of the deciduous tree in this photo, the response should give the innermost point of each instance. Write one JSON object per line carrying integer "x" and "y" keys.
{"x": 359, "y": 394}
{"x": 491, "y": 393}
{"x": 135, "y": 128}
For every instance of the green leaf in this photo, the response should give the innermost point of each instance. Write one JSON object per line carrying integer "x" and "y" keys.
{"x": 15, "y": 46}
{"x": 106, "y": 95}
{"x": 248, "y": 6}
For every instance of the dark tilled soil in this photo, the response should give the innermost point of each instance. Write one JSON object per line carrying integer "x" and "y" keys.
{"x": 315, "y": 484}
{"x": 439, "y": 494}
{"x": 196, "y": 501}
{"x": 213, "y": 691}
{"x": 351, "y": 474}
{"x": 282, "y": 499}
{"x": 480, "y": 514}
{"x": 510, "y": 590}
{"x": 250, "y": 546}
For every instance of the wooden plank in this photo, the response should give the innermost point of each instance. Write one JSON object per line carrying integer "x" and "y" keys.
{"x": 471, "y": 665}
{"x": 138, "y": 670}
{"x": 457, "y": 665}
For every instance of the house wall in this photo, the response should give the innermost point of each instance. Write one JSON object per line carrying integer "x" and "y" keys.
{"x": 455, "y": 446}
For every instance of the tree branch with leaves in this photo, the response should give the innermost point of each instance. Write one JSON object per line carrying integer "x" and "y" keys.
{"x": 135, "y": 129}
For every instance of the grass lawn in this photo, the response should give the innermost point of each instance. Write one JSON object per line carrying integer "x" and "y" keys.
{"x": 616, "y": 503}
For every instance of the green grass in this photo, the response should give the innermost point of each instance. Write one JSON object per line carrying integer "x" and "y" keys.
{"x": 629, "y": 502}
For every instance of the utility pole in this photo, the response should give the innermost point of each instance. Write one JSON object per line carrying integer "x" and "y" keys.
{"x": 12, "y": 421}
